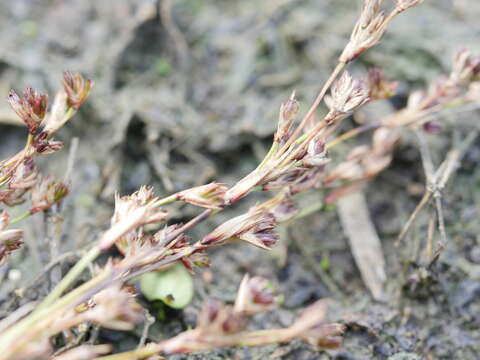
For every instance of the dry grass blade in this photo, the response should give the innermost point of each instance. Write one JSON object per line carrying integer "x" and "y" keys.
{"x": 364, "y": 241}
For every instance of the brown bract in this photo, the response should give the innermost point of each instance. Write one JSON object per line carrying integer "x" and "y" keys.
{"x": 77, "y": 88}
{"x": 31, "y": 108}
{"x": 367, "y": 31}
{"x": 131, "y": 212}
{"x": 47, "y": 192}
{"x": 211, "y": 196}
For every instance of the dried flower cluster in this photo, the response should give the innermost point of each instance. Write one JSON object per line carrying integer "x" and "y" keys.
{"x": 19, "y": 174}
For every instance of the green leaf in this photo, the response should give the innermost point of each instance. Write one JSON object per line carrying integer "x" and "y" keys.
{"x": 174, "y": 286}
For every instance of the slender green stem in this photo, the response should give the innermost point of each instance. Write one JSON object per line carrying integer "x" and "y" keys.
{"x": 20, "y": 217}
{"x": 301, "y": 139}
{"x": 70, "y": 112}
{"x": 70, "y": 277}
{"x": 271, "y": 152}
{"x": 167, "y": 200}
{"x": 352, "y": 133}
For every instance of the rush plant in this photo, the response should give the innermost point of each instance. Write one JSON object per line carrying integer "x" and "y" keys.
{"x": 298, "y": 162}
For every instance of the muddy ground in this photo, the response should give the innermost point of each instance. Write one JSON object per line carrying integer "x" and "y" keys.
{"x": 180, "y": 103}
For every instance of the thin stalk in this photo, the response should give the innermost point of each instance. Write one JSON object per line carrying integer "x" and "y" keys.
{"x": 167, "y": 200}
{"x": 68, "y": 279}
{"x": 271, "y": 152}
{"x": 69, "y": 114}
{"x": 307, "y": 137}
{"x": 23, "y": 326}
{"x": 21, "y": 217}
{"x": 340, "y": 66}
{"x": 352, "y": 133}
{"x": 426, "y": 197}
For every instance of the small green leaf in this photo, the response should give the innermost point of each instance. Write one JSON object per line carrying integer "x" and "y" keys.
{"x": 163, "y": 67}
{"x": 174, "y": 286}
{"x": 325, "y": 262}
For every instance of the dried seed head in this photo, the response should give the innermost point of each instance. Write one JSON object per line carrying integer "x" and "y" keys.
{"x": 10, "y": 240}
{"x": 197, "y": 259}
{"x": 262, "y": 235}
{"x": 325, "y": 336}
{"x": 403, "y": 5}
{"x": 282, "y": 178}
{"x": 31, "y": 108}
{"x": 4, "y": 219}
{"x": 316, "y": 153}
{"x": 311, "y": 179}
{"x": 208, "y": 196}
{"x": 24, "y": 175}
{"x": 346, "y": 95}
{"x": 114, "y": 308}
{"x": 136, "y": 244}
{"x": 44, "y": 146}
{"x": 47, "y": 192}
{"x": 142, "y": 199}
{"x": 131, "y": 212}
{"x": 379, "y": 87}
{"x": 77, "y": 88}
{"x": 286, "y": 118}
{"x": 316, "y": 146}
{"x": 233, "y": 322}
{"x": 465, "y": 67}
{"x": 74, "y": 93}
{"x": 311, "y": 326}
{"x": 12, "y": 197}
{"x": 209, "y": 313}
{"x": 256, "y": 295}
{"x": 218, "y": 319}
{"x": 255, "y": 227}
{"x": 367, "y": 32}
{"x": 179, "y": 242}
{"x": 285, "y": 210}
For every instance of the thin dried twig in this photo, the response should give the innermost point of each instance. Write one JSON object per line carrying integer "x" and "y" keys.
{"x": 149, "y": 321}
{"x": 436, "y": 182}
